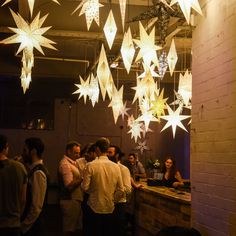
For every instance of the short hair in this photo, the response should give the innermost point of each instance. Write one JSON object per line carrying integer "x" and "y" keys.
{"x": 133, "y": 154}
{"x": 92, "y": 148}
{"x": 117, "y": 151}
{"x": 103, "y": 144}
{"x": 35, "y": 143}
{"x": 71, "y": 144}
{"x": 3, "y": 142}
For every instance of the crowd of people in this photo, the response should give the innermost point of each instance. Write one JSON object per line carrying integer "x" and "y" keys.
{"x": 95, "y": 188}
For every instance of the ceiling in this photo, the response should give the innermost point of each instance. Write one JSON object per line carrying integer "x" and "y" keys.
{"x": 78, "y": 49}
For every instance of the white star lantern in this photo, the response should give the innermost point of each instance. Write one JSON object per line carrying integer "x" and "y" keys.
{"x": 147, "y": 46}
{"x": 123, "y": 111}
{"x": 93, "y": 89}
{"x": 91, "y": 10}
{"x": 122, "y": 11}
{"x": 83, "y": 89}
{"x": 186, "y": 5}
{"x": 172, "y": 57}
{"x": 30, "y": 36}
{"x": 135, "y": 130}
{"x": 30, "y": 3}
{"x": 142, "y": 146}
{"x": 174, "y": 119}
{"x": 110, "y": 29}
{"x": 103, "y": 72}
{"x": 127, "y": 50}
{"x": 116, "y": 102}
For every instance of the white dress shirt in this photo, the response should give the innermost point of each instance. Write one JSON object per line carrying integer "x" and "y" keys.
{"x": 102, "y": 178}
{"x": 126, "y": 178}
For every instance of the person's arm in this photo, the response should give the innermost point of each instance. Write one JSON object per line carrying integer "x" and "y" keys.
{"x": 134, "y": 185}
{"x": 85, "y": 185}
{"x": 39, "y": 187}
{"x": 141, "y": 171}
{"x": 70, "y": 182}
{"x": 126, "y": 181}
{"x": 180, "y": 182}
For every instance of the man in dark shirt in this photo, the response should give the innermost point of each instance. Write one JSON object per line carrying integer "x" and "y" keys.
{"x": 13, "y": 180}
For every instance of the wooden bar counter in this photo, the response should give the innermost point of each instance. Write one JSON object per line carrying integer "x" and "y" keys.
{"x": 157, "y": 207}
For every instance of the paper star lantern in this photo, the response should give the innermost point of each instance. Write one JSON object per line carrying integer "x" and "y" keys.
{"x": 83, "y": 89}
{"x": 31, "y": 4}
{"x": 147, "y": 46}
{"x": 127, "y": 50}
{"x": 116, "y": 102}
{"x": 93, "y": 89}
{"x": 144, "y": 131}
{"x": 172, "y": 57}
{"x": 174, "y": 119}
{"x": 29, "y": 35}
{"x": 135, "y": 130}
{"x": 123, "y": 111}
{"x": 186, "y": 5}
{"x": 130, "y": 120}
{"x": 180, "y": 101}
{"x": 142, "y": 146}
{"x": 91, "y": 10}
{"x": 147, "y": 117}
{"x": 163, "y": 64}
{"x": 185, "y": 87}
{"x": 158, "y": 105}
{"x": 139, "y": 91}
{"x": 122, "y": 11}
{"x": 103, "y": 72}
{"x": 110, "y": 29}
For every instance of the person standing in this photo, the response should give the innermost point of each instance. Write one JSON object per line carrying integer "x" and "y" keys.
{"x": 71, "y": 195}
{"x": 137, "y": 167}
{"x": 13, "y": 180}
{"x": 102, "y": 179}
{"x": 32, "y": 218}
{"x": 120, "y": 220}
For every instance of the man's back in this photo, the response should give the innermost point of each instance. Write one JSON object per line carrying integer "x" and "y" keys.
{"x": 12, "y": 178}
{"x": 102, "y": 179}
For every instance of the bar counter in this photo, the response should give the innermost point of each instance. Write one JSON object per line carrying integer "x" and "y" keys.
{"x": 157, "y": 207}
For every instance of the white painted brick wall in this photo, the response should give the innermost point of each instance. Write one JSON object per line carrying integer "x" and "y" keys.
{"x": 213, "y": 135}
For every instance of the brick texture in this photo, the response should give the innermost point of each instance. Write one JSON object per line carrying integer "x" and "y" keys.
{"x": 213, "y": 131}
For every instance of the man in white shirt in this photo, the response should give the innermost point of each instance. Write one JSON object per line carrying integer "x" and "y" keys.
{"x": 71, "y": 195}
{"x": 102, "y": 179}
{"x": 115, "y": 155}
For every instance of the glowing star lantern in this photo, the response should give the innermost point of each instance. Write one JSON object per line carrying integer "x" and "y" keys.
{"x": 185, "y": 87}
{"x": 93, "y": 89}
{"x": 91, "y": 10}
{"x": 29, "y": 35}
{"x": 158, "y": 105}
{"x": 83, "y": 89}
{"x": 147, "y": 46}
{"x": 123, "y": 111}
{"x": 31, "y": 4}
{"x": 140, "y": 91}
{"x": 163, "y": 64}
{"x": 103, "y": 72}
{"x": 127, "y": 50}
{"x": 147, "y": 117}
{"x": 174, "y": 119}
{"x": 172, "y": 57}
{"x": 135, "y": 130}
{"x": 110, "y": 29}
{"x": 142, "y": 146}
{"x": 109, "y": 86}
{"x": 116, "y": 102}
{"x": 186, "y": 5}
{"x": 122, "y": 11}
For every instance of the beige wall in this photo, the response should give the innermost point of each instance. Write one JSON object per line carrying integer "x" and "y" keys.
{"x": 213, "y": 135}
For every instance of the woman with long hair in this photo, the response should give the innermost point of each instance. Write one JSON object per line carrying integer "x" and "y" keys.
{"x": 171, "y": 176}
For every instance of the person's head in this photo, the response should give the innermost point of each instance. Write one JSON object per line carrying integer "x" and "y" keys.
{"x": 91, "y": 154}
{"x": 73, "y": 150}
{"x": 114, "y": 153}
{"x": 132, "y": 158}
{"x": 3, "y": 145}
{"x": 170, "y": 166}
{"x": 33, "y": 150}
{"x": 102, "y": 146}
